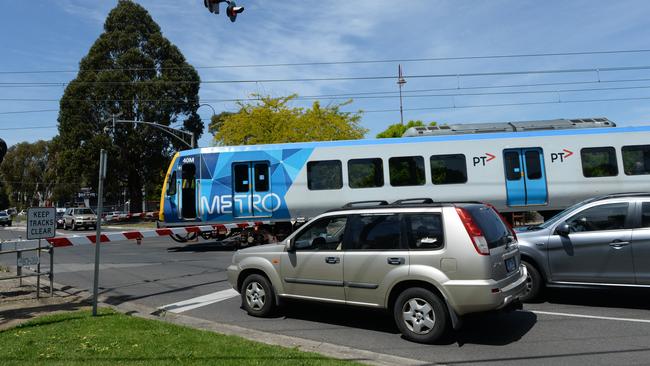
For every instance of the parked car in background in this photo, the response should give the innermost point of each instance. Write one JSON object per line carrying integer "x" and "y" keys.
{"x": 75, "y": 218}
{"x": 59, "y": 219}
{"x": 599, "y": 242}
{"x": 5, "y": 219}
{"x": 426, "y": 263}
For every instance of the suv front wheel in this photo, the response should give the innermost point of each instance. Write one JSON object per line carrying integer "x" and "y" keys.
{"x": 420, "y": 315}
{"x": 257, "y": 295}
{"x": 534, "y": 284}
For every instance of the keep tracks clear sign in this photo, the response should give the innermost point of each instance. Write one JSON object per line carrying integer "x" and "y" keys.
{"x": 41, "y": 222}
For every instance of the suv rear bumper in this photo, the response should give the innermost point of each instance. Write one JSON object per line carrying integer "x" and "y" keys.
{"x": 477, "y": 296}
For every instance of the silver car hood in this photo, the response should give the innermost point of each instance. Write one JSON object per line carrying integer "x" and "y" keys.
{"x": 265, "y": 248}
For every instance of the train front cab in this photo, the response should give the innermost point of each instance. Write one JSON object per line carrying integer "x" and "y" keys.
{"x": 179, "y": 201}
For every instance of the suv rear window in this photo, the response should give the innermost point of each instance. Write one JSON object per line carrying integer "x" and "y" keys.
{"x": 495, "y": 231}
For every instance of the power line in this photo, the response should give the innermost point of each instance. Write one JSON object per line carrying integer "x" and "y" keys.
{"x": 512, "y": 104}
{"x": 31, "y": 111}
{"x": 560, "y": 101}
{"x": 26, "y": 128}
{"x": 333, "y": 96}
{"x": 345, "y": 78}
{"x": 344, "y": 62}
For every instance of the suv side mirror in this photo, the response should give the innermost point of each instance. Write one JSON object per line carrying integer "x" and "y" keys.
{"x": 562, "y": 229}
{"x": 290, "y": 247}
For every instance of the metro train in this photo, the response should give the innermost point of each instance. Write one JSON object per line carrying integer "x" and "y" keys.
{"x": 541, "y": 166}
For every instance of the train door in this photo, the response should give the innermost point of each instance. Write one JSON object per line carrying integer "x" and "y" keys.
{"x": 525, "y": 176}
{"x": 251, "y": 185}
{"x": 188, "y": 191}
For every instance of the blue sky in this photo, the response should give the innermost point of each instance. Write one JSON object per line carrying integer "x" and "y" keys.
{"x": 56, "y": 34}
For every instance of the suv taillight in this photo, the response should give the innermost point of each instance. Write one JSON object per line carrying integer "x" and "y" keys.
{"x": 474, "y": 231}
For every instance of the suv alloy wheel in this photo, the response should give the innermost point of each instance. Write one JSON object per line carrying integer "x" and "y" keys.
{"x": 257, "y": 295}
{"x": 420, "y": 315}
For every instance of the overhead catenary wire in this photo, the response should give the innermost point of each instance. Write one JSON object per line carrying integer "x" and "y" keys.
{"x": 343, "y": 78}
{"x": 567, "y": 101}
{"x": 343, "y": 62}
{"x": 333, "y": 96}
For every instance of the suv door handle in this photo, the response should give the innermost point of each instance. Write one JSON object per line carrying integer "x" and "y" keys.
{"x": 395, "y": 260}
{"x": 617, "y": 244}
{"x": 332, "y": 260}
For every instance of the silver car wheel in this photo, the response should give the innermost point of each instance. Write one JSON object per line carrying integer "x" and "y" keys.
{"x": 418, "y": 316}
{"x": 529, "y": 283}
{"x": 255, "y": 295}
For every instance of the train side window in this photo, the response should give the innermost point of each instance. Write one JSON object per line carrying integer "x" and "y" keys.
{"x": 406, "y": 171}
{"x": 324, "y": 174}
{"x": 636, "y": 159}
{"x": 171, "y": 184}
{"x": 533, "y": 164}
{"x": 513, "y": 165}
{"x": 261, "y": 171}
{"x": 242, "y": 180}
{"x": 599, "y": 162}
{"x": 448, "y": 169}
{"x": 365, "y": 173}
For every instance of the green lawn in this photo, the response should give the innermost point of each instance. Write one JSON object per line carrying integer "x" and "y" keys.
{"x": 116, "y": 339}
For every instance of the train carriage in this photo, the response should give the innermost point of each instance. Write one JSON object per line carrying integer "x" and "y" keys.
{"x": 546, "y": 166}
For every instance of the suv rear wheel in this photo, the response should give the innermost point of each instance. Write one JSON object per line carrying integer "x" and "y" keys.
{"x": 257, "y": 295}
{"x": 421, "y": 315}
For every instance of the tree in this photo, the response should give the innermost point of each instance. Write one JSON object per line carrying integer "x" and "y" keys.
{"x": 133, "y": 70}
{"x": 25, "y": 174}
{"x": 398, "y": 129}
{"x": 271, "y": 120}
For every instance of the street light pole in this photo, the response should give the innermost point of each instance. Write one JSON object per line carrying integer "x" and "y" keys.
{"x": 163, "y": 128}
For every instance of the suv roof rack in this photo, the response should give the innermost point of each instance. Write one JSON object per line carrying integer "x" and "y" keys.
{"x": 411, "y": 201}
{"x": 366, "y": 203}
{"x": 623, "y": 194}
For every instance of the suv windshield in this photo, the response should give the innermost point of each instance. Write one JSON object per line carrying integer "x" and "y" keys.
{"x": 84, "y": 211}
{"x": 495, "y": 231}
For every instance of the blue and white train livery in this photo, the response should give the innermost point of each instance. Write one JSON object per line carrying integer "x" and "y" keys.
{"x": 541, "y": 168}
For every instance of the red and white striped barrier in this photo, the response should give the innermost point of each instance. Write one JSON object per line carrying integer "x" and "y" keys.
{"x": 107, "y": 237}
{"x": 126, "y": 216}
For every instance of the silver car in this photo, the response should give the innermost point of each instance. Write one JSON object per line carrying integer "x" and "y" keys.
{"x": 75, "y": 218}
{"x": 428, "y": 264}
{"x": 602, "y": 242}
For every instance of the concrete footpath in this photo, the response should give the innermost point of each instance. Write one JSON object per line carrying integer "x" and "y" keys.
{"x": 18, "y": 304}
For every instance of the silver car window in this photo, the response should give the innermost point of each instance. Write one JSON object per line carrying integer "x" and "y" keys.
{"x": 612, "y": 216}
{"x": 323, "y": 234}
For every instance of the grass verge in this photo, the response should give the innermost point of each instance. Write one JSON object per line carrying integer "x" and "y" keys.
{"x": 117, "y": 339}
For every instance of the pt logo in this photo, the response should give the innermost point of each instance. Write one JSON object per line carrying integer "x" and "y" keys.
{"x": 476, "y": 160}
{"x": 561, "y": 155}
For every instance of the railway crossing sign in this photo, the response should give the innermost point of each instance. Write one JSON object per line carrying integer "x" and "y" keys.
{"x": 41, "y": 222}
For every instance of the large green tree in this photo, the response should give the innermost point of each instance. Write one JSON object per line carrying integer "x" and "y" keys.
{"x": 133, "y": 70}
{"x": 272, "y": 120}
{"x": 25, "y": 174}
{"x": 398, "y": 129}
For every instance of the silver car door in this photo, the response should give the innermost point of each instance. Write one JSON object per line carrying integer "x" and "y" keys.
{"x": 597, "y": 248}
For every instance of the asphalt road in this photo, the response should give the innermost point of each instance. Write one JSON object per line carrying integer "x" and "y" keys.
{"x": 577, "y": 327}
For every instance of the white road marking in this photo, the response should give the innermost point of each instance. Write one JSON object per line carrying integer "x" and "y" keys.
{"x": 200, "y": 301}
{"x": 592, "y": 316}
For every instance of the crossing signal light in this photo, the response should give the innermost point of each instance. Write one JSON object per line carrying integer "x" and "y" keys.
{"x": 212, "y": 5}
{"x": 232, "y": 10}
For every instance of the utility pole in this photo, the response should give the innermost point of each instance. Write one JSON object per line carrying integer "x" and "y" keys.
{"x": 98, "y": 224}
{"x": 400, "y": 82}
